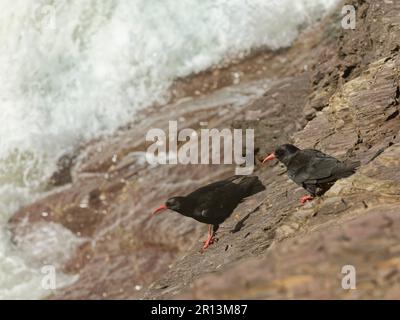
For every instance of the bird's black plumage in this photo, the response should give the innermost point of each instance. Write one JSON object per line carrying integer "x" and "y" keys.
{"x": 314, "y": 170}
{"x": 214, "y": 203}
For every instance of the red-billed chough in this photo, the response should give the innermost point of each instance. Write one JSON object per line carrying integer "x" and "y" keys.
{"x": 214, "y": 203}
{"x": 314, "y": 170}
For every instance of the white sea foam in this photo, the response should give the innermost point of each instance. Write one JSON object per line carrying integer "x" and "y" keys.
{"x": 71, "y": 70}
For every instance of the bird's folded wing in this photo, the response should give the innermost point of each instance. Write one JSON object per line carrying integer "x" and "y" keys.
{"x": 320, "y": 166}
{"x": 217, "y": 202}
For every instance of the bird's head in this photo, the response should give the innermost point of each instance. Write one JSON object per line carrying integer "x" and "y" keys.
{"x": 174, "y": 203}
{"x": 283, "y": 153}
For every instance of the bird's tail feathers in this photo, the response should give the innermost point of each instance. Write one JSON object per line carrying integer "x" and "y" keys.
{"x": 353, "y": 165}
{"x": 348, "y": 169}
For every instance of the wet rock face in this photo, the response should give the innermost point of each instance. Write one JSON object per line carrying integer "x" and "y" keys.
{"x": 362, "y": 118}
{"x": 346, "y": 104}
{"x": 375, "y": 37}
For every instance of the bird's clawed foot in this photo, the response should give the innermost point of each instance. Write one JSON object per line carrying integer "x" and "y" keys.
{"x": 304, "y": 199}
{"x": 210, "y": 240}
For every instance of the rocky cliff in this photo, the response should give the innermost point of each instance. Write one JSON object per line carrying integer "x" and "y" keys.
{"x": 335, "y": 90}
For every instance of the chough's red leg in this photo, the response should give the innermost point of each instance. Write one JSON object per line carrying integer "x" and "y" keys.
{"x": 306, "y": 198}
{"x": 209, "y": 240}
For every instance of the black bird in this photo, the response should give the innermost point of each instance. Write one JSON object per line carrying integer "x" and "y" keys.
{"x": 214, "y": 203}
{"x": 314, "y": 170}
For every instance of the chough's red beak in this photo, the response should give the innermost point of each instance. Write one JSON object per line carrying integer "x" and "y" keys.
{"x": 270, "y": 157}
{"x": 159, "y": 209}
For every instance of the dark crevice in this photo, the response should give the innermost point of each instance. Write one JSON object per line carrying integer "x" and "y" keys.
{"x": 380, "y": 151}
{"x": 393, "y": 115}
{"x": 347, "y": 71}
{"x": 396, "y": 49}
